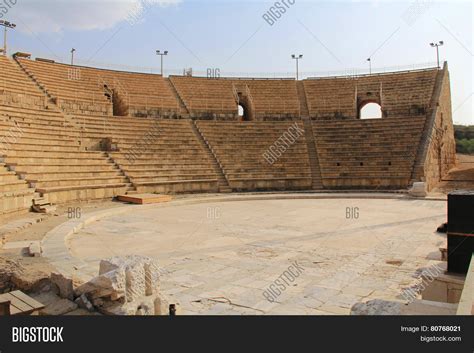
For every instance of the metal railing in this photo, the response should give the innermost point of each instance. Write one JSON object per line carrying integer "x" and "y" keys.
{"x": 270, "y": 75}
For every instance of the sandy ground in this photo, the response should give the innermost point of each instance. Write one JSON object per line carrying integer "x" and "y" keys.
{"x": 18, "y": 233}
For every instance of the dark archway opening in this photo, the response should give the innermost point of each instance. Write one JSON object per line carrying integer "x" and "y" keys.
{"x": 244, "y": 111}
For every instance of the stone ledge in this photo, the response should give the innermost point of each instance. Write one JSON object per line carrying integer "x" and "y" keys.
{"x": 466, "y": 304}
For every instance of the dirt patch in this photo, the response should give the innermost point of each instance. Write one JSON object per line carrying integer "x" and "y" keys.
{"x": 27, "y": 276}
{"x": 31, "y": 274}
{"x": 63, "y": 213}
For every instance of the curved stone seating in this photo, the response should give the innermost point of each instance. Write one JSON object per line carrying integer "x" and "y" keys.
{"x": 47, "y": 153}
{"x": 402, "y": 94}
{"x": 240, "y": 147}
{"x": 158, "y": 155}
{"x": 75, "y": 88}
{"x": 273, "y": 97}
{"x": 204, "y": 97}
{"x": 15, "y": 194}
{"x": 16, "y": 89}
{"x": 368, "y": 153}
{"x": 81, "y": 90}
{"x": 90, "y": 154}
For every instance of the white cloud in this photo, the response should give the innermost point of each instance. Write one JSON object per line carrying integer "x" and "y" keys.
{"x": 42, "y": 16}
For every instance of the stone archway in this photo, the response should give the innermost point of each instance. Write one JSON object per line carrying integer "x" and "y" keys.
{"x": 245, "y": 108}
{"x": 369, "y": 109}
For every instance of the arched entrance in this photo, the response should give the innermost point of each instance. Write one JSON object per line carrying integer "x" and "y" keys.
{"x": 244, "y": 110}
{"x": 241, "y": 112}
{"x": 369, "y": 110}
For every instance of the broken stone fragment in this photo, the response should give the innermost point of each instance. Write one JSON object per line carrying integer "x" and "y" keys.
{"x": 34, "y": 249}
{"x": 116, "y": 262}
{"x": 59, "y": 307}
{"x": 65, "y": 285}
{"x": 84, "y": 303}
{"x": 142, "y": 274}
{"x": 127, "y": 285}
{"x": 110, "y": 284}
{"x": 152, "y": 278}
{"x": 135, "y": 281}
{"x": 161, "y": 306}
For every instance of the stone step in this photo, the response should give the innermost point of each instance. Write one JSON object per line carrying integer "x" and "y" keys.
{"x": 74, "y": 182}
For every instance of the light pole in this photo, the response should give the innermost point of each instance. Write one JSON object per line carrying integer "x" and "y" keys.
{"x": 72, "y": 56}
{"x": 370, "y": 66}
{"x": 437, "y": 45}
{"x": 158, "y": 52}
{"x": 297, "y": 58}
{"x": 6, "y": 24}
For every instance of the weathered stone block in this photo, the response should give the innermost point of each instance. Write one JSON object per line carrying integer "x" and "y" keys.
{"x": 418, "y": 189}
{"x": 34, "y": 250}
{"x": 84, "y": 303}
{"x": 110, "y": 284}
{"x": 60, "y": 307}
{"x": 152, "y": 278}
{"x": 135, "y": 281}
{"x": 161, "y": 306}
{"x": 65, "y": 285}
{"x": 126, "y": 286}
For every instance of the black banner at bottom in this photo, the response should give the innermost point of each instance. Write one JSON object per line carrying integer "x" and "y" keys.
{"x": 313, "y": 333}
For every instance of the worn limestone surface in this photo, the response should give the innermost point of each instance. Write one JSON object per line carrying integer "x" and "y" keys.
{"x": 377, "y": 307}
{"x": 64, "y": 284}
{"x": 221, "y": 262}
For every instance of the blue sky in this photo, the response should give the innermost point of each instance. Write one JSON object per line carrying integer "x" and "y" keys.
{"x": 332, "y": 35}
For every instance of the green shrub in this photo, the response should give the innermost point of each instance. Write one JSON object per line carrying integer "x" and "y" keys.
{"x": 464, "y": 139}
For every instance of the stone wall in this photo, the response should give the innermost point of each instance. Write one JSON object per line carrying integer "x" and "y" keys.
{"x": 441, "y": 144}
{"x": 84, "y": 108}
{"x": 22, "y": 100}
{"x": 15, "y": 202}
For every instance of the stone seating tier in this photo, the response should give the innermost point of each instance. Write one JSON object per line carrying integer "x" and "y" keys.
{"x": 368, "y": 153}
{"x": 151, "y": 153}
{"x": 400, "y": 93}
{"x": 82, "y": 89}
{"x": 15, "y": 194}
{"x": 48, "y": 155}
{"x": 240, "y": 149}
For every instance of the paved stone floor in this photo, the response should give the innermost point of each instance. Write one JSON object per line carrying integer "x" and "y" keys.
{"x": 220, "y": 257}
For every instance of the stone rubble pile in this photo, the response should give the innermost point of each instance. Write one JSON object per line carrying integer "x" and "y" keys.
{"x": 127, "y": 285}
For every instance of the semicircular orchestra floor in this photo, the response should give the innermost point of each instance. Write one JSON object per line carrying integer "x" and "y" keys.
{"x": 234, "y": 257}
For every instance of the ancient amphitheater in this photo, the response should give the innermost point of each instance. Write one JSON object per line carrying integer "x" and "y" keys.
{"x": 298, "y": 179}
